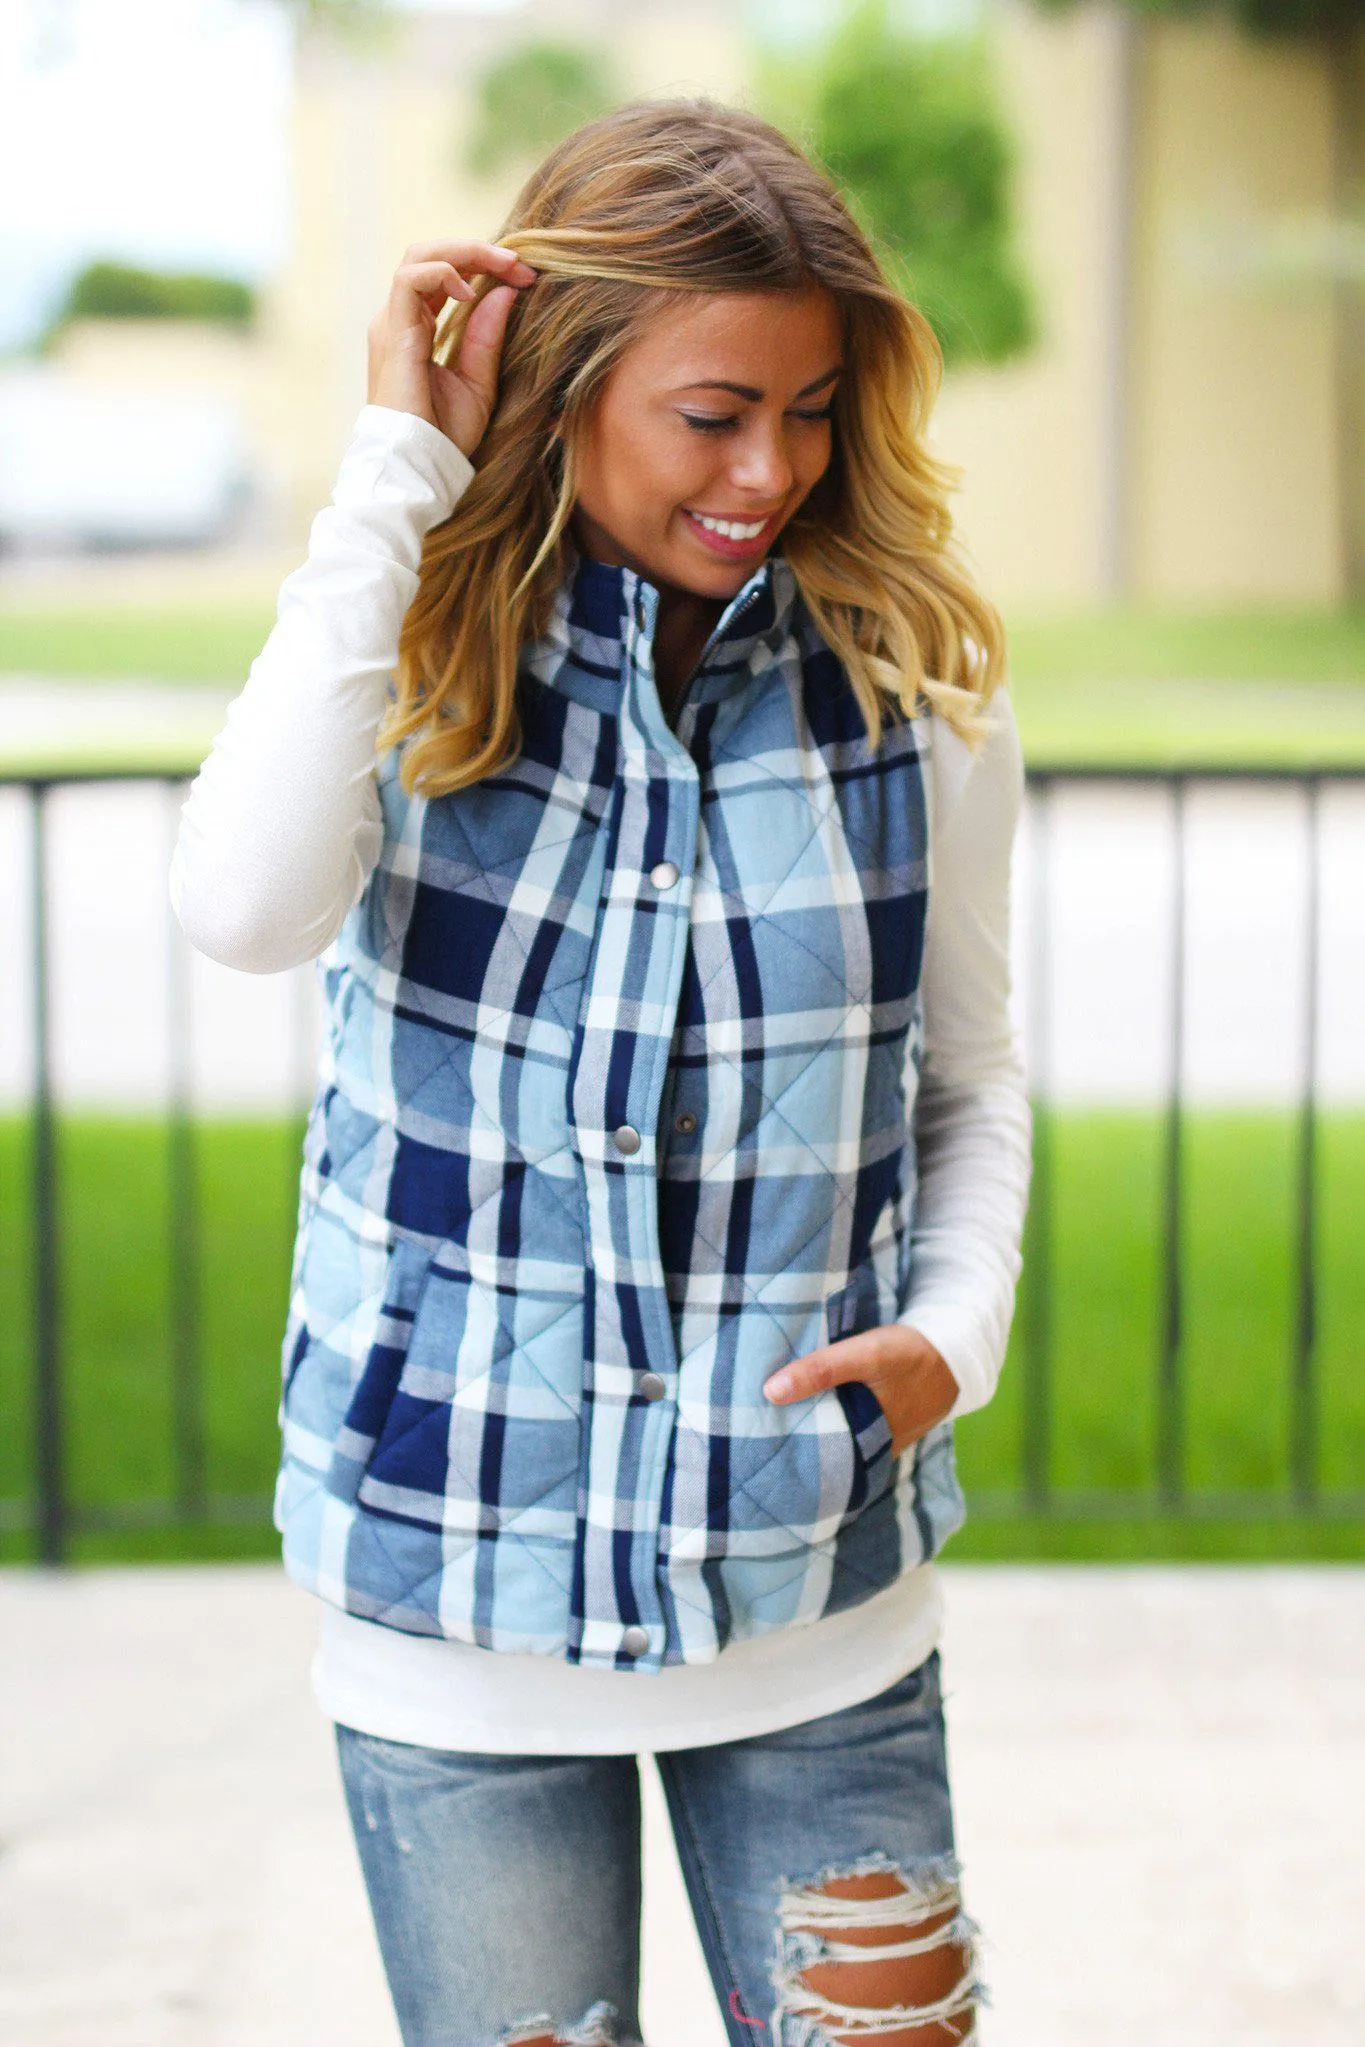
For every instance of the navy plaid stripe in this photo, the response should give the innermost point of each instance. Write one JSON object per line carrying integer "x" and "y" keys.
{"x": 489, "y": 1265}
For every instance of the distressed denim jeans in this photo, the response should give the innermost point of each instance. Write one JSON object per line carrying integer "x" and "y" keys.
{"x": 506, "y": 1889}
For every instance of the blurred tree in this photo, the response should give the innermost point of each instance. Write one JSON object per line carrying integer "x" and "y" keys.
{"x": 364, "y": 25}
{"x": 338, "y": 13}
{"x": 532, "y": 98}
{"x": 121, "y": 291}
{"x": 910, "y": 128}
{"x": 1264, "y": 17}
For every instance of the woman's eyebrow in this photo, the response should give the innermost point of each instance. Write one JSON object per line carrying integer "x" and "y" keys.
{"x": 751, "y": 391}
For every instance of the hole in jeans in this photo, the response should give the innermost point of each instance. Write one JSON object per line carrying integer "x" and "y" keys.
{"x": 876, "y": 1953}
{"x": 597, "y": 2028}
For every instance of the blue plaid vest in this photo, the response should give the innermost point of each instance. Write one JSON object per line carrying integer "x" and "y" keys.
{"x": 613, "y": 1118}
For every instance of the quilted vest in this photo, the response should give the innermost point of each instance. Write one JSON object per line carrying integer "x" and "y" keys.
{"x": 613, "y": 1118}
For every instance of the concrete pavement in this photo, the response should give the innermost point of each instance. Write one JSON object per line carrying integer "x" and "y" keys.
{"x": 1160, "y": 1780}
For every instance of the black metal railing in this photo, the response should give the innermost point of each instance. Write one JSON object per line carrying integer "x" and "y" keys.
{"x": 1304, "y": 1495}
{"x": 51, "y": 1516}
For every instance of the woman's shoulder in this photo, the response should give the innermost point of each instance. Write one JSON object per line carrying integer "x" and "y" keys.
{"x": 992, "y": 770}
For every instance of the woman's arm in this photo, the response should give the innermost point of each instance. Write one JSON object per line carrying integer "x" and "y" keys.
{"x": 972, "y": 1122}
{"x": 282, "y": 827}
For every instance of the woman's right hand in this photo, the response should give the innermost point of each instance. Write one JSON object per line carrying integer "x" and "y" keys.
{"x": 457, "y": 400}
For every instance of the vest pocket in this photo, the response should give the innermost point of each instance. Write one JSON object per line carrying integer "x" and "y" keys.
{"x": 754, "y": 1482}
{"x": 463, "y": 1425}
{"x": 406, "y": 1279}
{"x": 850, "y": 1310}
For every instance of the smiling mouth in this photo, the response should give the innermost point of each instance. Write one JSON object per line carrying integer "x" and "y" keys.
{"x": 734, "y": 537}
{"x": 733, "y": 529}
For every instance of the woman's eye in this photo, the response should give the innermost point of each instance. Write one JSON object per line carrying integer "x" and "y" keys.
{"x": 716, "y": 422}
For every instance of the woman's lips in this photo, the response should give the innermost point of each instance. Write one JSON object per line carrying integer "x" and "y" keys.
{"x": 734, "y": 550}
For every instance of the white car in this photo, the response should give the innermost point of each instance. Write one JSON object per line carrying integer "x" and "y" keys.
{"x": 82, "y": 466}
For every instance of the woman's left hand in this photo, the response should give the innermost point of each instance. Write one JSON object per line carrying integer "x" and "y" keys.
{"x": 909, "y": 1377}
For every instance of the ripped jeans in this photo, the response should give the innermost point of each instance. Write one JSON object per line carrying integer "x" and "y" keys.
{"x": 819, "y": 1862}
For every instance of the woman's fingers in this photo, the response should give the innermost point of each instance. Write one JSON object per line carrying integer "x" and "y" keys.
{"x": 481, "y": 343}
{"x": 489, "y": 258}
{"x": 459, "y": 399}
{"x": 892, "y": 1351}
{"x": 431, "y": 281}
{"x": 853, "y": 1357}
{"x": 913, "y": 1382}
{"x": 437, "y": 270}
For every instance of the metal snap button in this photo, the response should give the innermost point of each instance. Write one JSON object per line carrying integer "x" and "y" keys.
{"x": 626, "y": 1138}
{"x": 685, "y": 1122}
{"x": 650, "y": 1386}
{"x": 635, "y": 1641}
{"x": 664, "y": 875}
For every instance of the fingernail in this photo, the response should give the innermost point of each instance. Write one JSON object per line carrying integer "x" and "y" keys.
{"x": 779, "y": 1386}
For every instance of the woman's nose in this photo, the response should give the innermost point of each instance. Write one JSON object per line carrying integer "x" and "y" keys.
{"x": 762, "y": 467}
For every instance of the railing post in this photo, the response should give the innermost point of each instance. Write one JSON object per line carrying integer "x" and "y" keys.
{"x": 187, "y": 1378}
{"x": 1170, "y": 1391}
{"x": 1303, "y": 1437}
{"x": 1036, "y": 1445}
{"x": 53, "y": 1519}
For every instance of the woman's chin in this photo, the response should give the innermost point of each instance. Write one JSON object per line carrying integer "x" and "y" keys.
{"x": 713, "y": 578}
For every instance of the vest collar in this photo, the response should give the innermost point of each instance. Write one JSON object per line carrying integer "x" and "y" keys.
{"x": 600, "y": 610}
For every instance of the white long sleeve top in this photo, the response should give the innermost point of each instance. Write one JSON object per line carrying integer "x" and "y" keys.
{"x": 278, "y": 836}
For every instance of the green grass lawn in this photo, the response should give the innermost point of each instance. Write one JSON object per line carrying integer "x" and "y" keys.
{"x": 116, "y": 1312}
{"x": 175, "y": 643}
{"x": 1123, "y": 685}
{"x": 1172, "y": 688}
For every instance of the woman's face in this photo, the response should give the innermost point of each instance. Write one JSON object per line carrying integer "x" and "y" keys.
{"x": 717, "y": 418}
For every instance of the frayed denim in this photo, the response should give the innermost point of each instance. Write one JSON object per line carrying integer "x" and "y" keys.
{"x": 506, "y": 1889}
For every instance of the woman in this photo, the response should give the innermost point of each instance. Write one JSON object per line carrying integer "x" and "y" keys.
{"x": 623, "y": 752}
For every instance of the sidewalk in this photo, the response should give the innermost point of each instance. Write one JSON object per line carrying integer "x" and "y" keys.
{"x": 1160, "y": 1780}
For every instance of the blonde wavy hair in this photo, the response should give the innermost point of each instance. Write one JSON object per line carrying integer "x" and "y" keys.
{"x": 656, "y": 198}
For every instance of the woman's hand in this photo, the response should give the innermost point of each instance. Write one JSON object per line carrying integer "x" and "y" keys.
{"x": 458, "y": 400}
{"x": 909, "y": 1377}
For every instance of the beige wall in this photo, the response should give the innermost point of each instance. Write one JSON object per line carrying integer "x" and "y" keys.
{"x": 1028, "y": 434}
{"x": 1234, "y": 429}
{"x": 1235, "y": 398}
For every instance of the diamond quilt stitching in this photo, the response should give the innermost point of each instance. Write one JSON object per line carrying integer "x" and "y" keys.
{"x": 764, "y": 1089}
